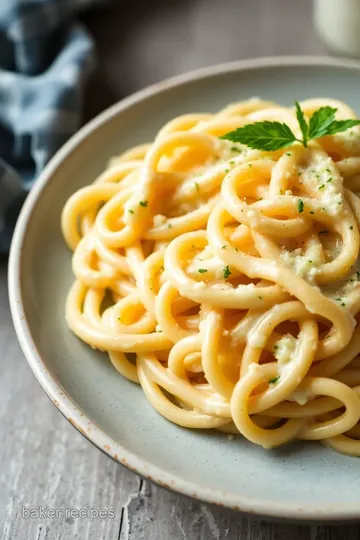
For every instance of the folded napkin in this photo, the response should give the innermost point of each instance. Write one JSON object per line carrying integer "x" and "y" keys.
{"x": 45, "y": 57}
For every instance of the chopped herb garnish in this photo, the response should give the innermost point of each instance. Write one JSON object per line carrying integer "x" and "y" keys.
{"x": 202, "y": 270}
{"x": 235, "y": 149}
{"x": 196, "y": 186}
{"x": 351, "y": 227}
{"x": 274, "y": 380}
{"x": 226, "y": 272}
{"x": 143, "y": 203}
{"x": 250, "y": 165}
{"x": 321, "y": 187}
{"x": 300, "y": 206}
{"x": 260, "y": 297}
{"x": 288, "y": 153}
{"x": 169, "y": 226}
{"x": 312, "y": 212}
{"x": 131, "y": 211}
{"x": 223, "y": 247}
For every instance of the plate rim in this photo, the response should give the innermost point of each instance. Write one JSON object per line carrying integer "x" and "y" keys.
{"x": 59, "y": 396}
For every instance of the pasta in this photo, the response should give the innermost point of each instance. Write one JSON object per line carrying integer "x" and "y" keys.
{"x": 224, "y": 279}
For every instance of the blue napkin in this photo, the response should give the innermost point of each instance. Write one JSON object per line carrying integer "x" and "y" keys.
{"x": 45, "y": 57}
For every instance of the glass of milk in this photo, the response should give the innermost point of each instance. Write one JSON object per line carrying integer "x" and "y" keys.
{"x": 338, "y": 25}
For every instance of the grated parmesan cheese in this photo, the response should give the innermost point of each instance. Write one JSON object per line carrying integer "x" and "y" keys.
{"x": 284, "y": 348}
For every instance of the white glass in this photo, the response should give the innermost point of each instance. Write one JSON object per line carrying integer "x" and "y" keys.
{"x": 338, "y": 24}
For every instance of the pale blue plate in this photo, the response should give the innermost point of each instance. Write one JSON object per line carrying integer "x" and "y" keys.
{"x": 302, "y": 481}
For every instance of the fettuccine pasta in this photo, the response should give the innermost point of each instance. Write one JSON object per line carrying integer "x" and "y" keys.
{"x": 224, "y": 280}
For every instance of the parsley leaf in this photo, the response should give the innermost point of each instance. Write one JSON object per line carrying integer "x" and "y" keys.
{"x": 341, "y": 125}
{"x": 143, "y": 203}
{"x": 320, "y": 121}
{"x": 274, "y": 380}
{"x": 302, "y": 123}
{"x": 263, "y": 135}
{"x": 300, "y": 206}
{"x": 202, "y": 270}
{"x": 226, "y": 272}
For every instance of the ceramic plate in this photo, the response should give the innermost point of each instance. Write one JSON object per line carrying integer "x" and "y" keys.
{"x": 299, "y": 481}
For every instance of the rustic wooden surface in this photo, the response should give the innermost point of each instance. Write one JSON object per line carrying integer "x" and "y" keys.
{"x": 43, "y": 460}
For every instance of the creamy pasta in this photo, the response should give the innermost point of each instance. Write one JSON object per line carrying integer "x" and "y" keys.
{"x": 224, "y": 280}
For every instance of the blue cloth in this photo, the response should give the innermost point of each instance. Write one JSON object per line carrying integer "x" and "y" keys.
{"x": 45, "y": 57}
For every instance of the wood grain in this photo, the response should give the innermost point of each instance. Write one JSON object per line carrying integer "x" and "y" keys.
{"x": 43, "y": 460}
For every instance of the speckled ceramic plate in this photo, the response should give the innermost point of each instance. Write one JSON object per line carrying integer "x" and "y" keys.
{"x": 300, "y": 481}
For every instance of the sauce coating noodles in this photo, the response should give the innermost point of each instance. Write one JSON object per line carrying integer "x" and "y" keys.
{"x": 231, "y": 274}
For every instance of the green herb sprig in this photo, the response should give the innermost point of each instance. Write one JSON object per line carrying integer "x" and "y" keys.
{"x": 272, "y": 136}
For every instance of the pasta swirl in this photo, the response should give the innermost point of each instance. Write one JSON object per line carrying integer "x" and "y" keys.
{"x": 224, "y": 280}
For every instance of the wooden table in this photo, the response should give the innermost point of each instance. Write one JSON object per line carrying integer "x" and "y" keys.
{"x": 43, "y": 460}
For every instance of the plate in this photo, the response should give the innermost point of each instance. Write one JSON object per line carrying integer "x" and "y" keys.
{"x": 299, "y": 481}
